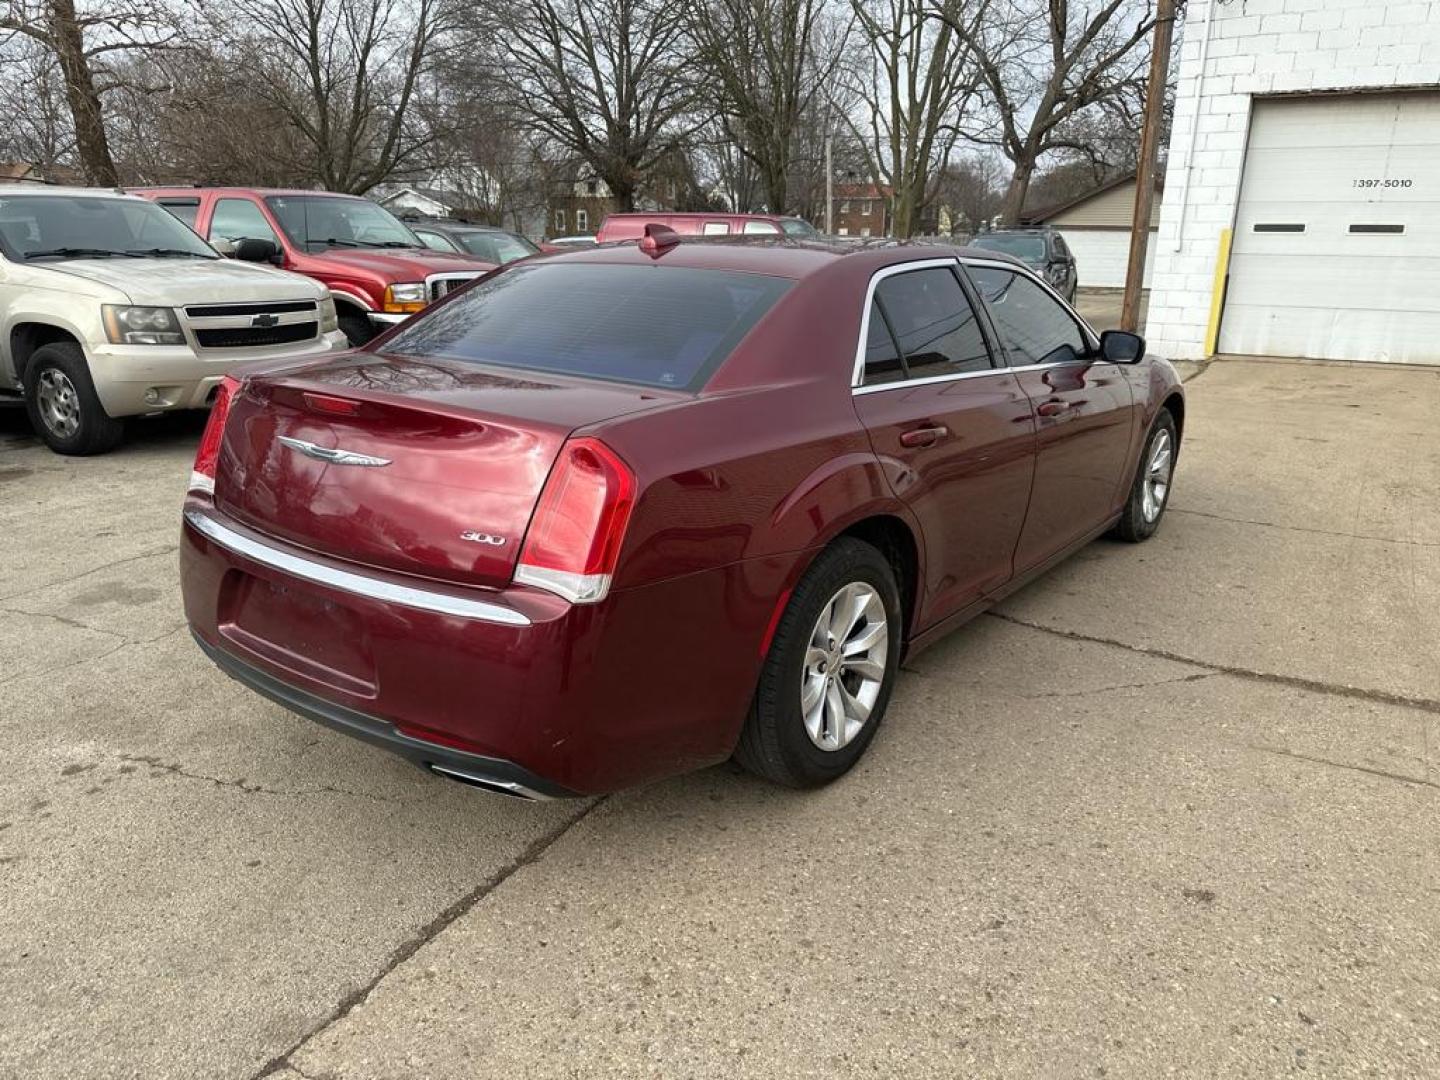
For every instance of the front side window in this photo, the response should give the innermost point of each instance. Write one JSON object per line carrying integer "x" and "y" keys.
{"x": 434, "y": 241}
{"x": 240, "y": 219}
{"x": 323, "y": 221}
{"x": 187, "y": 210}
{"x": 497, "y": 247}
{"x": 1031, "y": 322}
{"x": 760, "y": 228}
{"x": 934, "y": 325}
{"x": 668, "y": 328}
{"x": 798, "y": 227}
{"x": 34, "y": 227}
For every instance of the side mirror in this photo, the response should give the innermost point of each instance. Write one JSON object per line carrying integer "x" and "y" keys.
{"x": 251, "y": 249}
{"x": 1121, "y": 347}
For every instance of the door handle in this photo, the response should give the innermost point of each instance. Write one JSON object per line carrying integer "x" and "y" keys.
{"x": 925, "y": 436}
{"x": 1052, "y": 408}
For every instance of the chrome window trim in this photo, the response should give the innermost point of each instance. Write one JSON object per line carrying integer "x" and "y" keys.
{"x": 346, "y": 581}
{"x": 904, "y": 384}
{"x": 857, "y": 373}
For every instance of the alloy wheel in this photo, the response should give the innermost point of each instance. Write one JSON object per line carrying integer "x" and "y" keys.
{"x": 59, "y": 403}
{"x": 1157, "y": 477}
{"x": 844, "y": 666}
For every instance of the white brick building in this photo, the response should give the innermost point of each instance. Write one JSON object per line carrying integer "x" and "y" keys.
{"x": 1311, "y": 130}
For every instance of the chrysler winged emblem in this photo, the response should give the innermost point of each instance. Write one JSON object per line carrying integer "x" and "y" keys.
{"x": 334, "y": 457}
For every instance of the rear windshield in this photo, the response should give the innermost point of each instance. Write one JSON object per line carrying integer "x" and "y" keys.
{"x": 652, "y": 325}
{"x": 1025, "y": 248}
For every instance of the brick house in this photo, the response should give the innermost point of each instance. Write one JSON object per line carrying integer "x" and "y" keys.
{"x": 1300, "y": 204}
{"x": 862, "y": 210}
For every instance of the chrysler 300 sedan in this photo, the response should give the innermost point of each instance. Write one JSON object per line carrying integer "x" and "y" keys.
{"x": 630, "y": 511}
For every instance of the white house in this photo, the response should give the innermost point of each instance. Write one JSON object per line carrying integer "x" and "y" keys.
{"x": 1302, "y": 195}
{"x": 1097, "y": 227}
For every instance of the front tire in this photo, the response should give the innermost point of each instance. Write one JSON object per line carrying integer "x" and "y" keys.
{"x": 830, "y": 670}
{"x": 356, "y": 327}
{"x": 1150, "y": 491}
{"x": 62, "y": 404}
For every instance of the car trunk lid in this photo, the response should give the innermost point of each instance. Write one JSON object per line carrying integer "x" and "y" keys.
{"x": 431, "y": 468}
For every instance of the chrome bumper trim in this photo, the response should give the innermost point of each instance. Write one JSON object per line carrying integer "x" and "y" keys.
{"x": 346, "y": 581}
{"x": 386, "y": 318}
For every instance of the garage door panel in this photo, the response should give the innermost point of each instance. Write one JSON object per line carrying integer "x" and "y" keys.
{"x": 1328, "y": 164}
{"x": 1102, "y": 255}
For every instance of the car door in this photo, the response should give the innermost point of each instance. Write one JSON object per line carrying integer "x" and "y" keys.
{"x": 951, "y": 425}
{"x": 1084, "y": 410}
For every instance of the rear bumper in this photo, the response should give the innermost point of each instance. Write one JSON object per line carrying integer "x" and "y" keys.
{"x": 489, "y": 772}
{"x": 567, "y": 699}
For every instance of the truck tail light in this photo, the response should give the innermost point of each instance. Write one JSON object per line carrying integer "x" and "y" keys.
{"x": 574, "y": 539}
{"x": 207, "y": 457}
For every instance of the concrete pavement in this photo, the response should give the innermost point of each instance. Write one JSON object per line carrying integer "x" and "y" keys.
{"x": 1169, "y": 811}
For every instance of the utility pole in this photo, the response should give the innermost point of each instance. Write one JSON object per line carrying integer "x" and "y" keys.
{"x": 829, "y": 188}
{"x": 1145, "y": 168}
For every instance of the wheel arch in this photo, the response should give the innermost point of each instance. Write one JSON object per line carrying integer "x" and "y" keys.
{"x": 896, "y": 540}
{"x": 1175, "y": 406}
{"x": 28, "y": 335}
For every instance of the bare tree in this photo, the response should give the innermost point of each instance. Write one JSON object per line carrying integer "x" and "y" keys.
{"x": 972, "y": 191}
{"x": 35, "y": 122}
{"x": 350, "y": 75}
{"x": 769, "y": 61}
{"x": 82, "y": 40}
{"x": 913, "y": 85}
{"x": 1044, "y": 64}
{"x": 603, "y": 81}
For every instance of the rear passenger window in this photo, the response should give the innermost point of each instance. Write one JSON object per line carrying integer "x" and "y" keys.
{"x": 716, "y": 228}
{"x": 1033, "y": 325}
{"x": 933, "y": 322}
{"x": 882, "y": 361}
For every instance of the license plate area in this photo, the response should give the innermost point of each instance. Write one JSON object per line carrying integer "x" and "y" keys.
{"x": 294, "y": 628}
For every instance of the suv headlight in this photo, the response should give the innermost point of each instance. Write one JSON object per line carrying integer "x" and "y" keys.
{"x": 125, "y": 325}
{"x": 406, "y": 297}
{"x": 329, "y": 319}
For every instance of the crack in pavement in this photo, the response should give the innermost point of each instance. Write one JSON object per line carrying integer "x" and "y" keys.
{"x": 1195, "y": 677}
{"x": 532, "y": 853}
{"x": 1305, "y": 529}
{"x": 176, "y": 769}
{"x": 1384, "y": 697}
{"x": 124, "y": 643}
{"x": 81, "y": 577}
{"x": 65, "y": 620}
{"x": 1384, "y": 774}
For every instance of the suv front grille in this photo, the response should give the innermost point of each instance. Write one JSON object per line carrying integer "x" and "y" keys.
{"x": 262, "y": 307}
{"x": 242, "y": 337}
{"x": 440, "y": 286}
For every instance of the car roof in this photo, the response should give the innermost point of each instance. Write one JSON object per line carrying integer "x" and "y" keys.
{"x": 775, "y": 256}
{"x": 69, "y": 192}
{"x": 263, "y": 192}
{"x": 649, "y": 214}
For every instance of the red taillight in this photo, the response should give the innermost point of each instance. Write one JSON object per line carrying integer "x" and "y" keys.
{"x": 579, "y": 523}
{"x": 207, "y": 457}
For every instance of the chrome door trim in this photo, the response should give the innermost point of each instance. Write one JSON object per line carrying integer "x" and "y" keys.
{"x": 346, "y": 581}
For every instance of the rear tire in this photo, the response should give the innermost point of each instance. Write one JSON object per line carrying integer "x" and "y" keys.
{"x": 1154, "y": 478}
{"x": 62, "y": 404}
{"x": 356, "y": 327}
{"x": 837, "y": 650}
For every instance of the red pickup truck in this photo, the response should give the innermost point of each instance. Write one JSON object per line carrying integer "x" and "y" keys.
{"x": 377, "y": 269}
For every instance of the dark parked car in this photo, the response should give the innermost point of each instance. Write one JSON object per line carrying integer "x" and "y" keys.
{"x": 1043, "y": 250}
{"x": 621, "y": 513}
{"x": 482, "y": 241}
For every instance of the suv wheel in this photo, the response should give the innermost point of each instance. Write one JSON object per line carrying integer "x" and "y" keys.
{"x": 357, "y": 328}
{"x": 63, "y": 406}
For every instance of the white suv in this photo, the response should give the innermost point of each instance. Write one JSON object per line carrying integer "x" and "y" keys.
{"x": 110, "y": 307}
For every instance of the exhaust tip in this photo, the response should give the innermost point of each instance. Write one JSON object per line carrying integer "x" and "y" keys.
{"x": 508, "y": 788}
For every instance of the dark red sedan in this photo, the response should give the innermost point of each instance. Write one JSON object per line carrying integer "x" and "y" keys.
{"x": 617, "y": 514}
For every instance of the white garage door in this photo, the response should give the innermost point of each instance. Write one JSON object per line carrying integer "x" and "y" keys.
{"x": 1101, "y": 256}
{"x": 1337, "y": 237}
